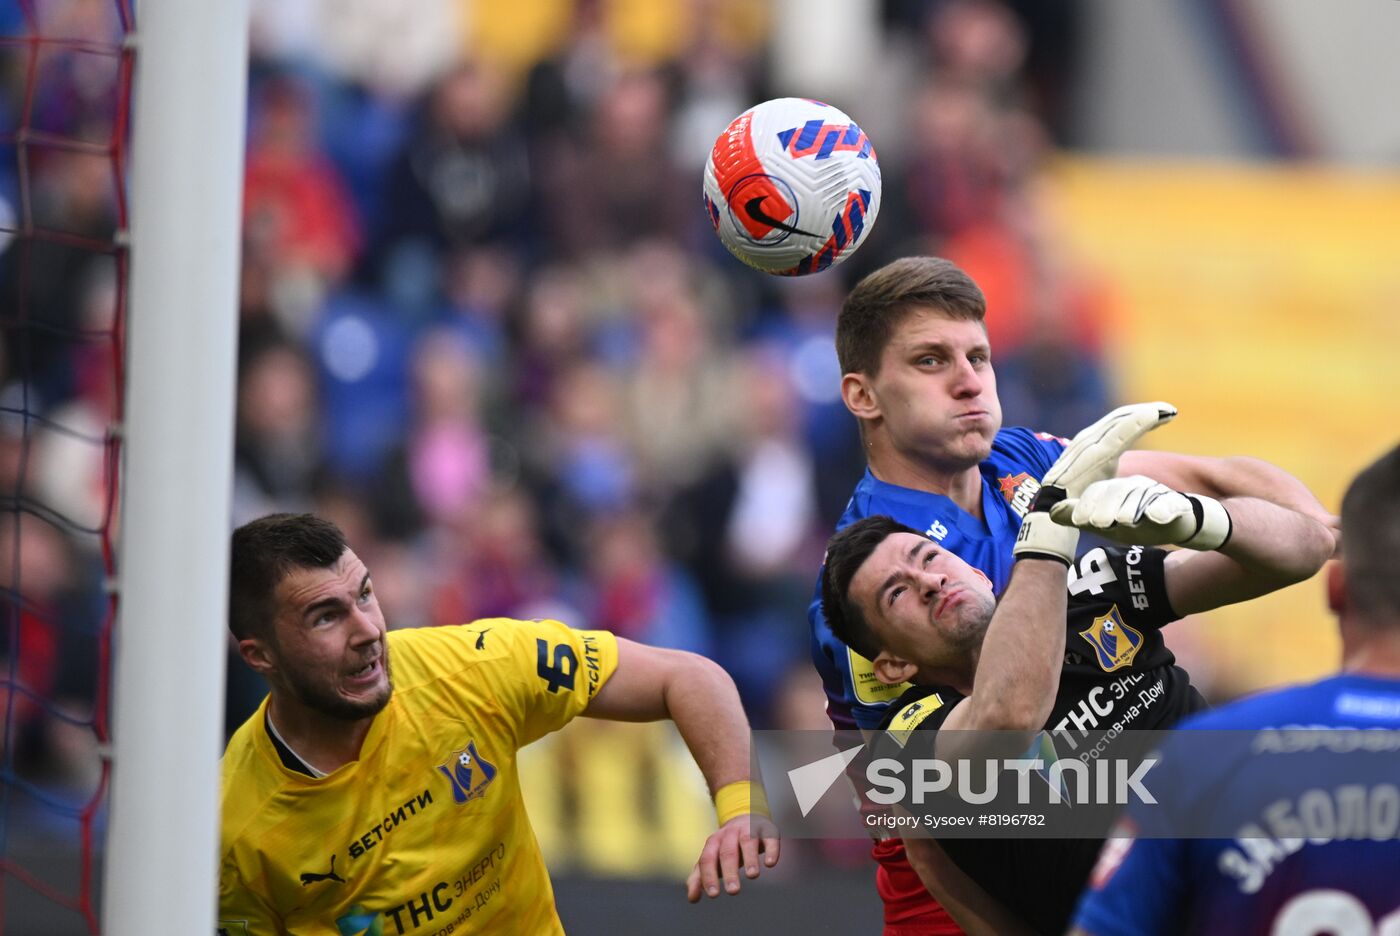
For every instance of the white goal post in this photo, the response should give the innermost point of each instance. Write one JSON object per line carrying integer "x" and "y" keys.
{"x": 169, "y": 644}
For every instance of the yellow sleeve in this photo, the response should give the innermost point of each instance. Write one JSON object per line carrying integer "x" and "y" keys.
{"x": 558, "y": 672}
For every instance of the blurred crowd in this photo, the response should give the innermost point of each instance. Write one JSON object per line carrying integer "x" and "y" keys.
{"x": 484, "y": 324}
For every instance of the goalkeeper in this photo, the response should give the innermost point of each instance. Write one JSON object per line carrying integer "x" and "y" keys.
{"x": 1047, "y": 655}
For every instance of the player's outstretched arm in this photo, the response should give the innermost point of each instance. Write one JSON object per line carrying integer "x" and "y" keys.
{"x": 651, "y": 683}
{"x": 1018, "y": 671}
{"x": 1270, "y": 548}
{"x": 1236, "y": 476}
{"x": 1236, "y": 549}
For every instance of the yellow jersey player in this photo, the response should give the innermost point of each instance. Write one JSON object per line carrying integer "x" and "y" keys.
{"x": 375, "y": 791}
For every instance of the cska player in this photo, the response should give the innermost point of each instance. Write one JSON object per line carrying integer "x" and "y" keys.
{"x": 1340, "y": 874}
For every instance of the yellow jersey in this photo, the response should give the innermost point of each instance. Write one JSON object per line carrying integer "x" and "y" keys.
{"x": 426, "y": 833}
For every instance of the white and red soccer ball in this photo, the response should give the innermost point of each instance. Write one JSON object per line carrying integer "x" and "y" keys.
{"x": 792, "y": 186}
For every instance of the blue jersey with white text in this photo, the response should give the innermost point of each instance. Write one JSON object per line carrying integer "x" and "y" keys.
{"x": 1306, "y": 858}
{"x": 1010, "y": 479}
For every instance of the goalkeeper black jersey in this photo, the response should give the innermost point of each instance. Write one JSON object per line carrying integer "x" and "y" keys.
{"x": 1118, "y": 675}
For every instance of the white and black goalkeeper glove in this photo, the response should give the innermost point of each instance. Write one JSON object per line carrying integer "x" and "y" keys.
{"x": 1144, "y": 512}
{"x": 1091, "y": 456}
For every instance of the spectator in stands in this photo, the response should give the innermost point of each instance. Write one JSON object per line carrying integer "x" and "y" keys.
{"x": 442, "y": 468}
{"x": 679, "y": 401}
{"x": 637, "y": 591}
{"x": 617, "y": 183}
{"x": 461, "y": 177}
{"x": 294, "y": 202}
{"x": 276, "y": 448}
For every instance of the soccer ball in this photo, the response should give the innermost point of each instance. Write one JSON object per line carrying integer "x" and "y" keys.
{"x": 792, "y": 186}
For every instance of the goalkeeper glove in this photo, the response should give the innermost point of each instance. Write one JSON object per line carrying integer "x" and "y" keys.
{"x": 1091, "y": 456}
{"x": 1144, "y": 512}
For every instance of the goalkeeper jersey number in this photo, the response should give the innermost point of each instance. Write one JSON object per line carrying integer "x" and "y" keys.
{"x": 426, "y": 832}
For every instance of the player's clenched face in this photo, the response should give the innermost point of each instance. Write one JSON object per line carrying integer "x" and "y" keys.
{"x": 924, "y": 604}
{"x": 328, "y": 649}
{"x": 936, "y": 391}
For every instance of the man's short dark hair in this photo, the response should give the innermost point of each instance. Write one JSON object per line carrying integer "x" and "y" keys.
{"x": 1371, "y": 539}
{"x": 845, "y": 554}
{"x": 882, "y": 300}
{"x": 263, "y": 552}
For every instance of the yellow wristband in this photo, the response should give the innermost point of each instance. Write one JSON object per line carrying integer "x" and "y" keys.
{"x": 740, "y": 798}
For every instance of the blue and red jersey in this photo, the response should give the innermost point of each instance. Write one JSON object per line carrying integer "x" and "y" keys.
{"x": 1314, "y": 846}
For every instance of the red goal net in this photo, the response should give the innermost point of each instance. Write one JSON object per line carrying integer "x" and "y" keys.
{"x": 65, "y": 93}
